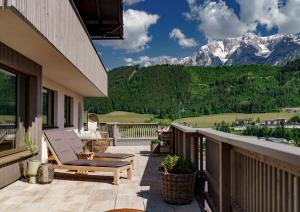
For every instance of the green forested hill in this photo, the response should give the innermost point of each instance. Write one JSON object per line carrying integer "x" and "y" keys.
{"x": 201, "y": 90}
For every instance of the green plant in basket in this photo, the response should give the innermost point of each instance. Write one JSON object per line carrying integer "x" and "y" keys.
{"x": 85, "y": 148}
{"x": 176, "y": 165}
{"x": 155, "y": 141}
{"x": 31, "y": 143}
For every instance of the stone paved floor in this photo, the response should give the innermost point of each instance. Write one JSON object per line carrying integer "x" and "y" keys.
{"x": 94, "y": 193}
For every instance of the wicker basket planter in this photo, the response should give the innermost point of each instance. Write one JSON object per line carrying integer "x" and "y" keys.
{"x": 45, "y": 174}
{"x": 178, "y": 188}
{"x": 99, "y": 145}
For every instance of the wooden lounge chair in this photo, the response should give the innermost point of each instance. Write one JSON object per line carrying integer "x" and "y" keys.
{"x": 67, "y": 159}
{"x": 2, "y": 137}
{"x": 77, "y": 145}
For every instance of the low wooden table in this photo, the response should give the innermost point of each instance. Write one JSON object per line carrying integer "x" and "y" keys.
{"x": 86, "y": 156}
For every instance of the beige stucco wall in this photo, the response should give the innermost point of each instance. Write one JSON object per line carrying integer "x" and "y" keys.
{"x": 60, "y": 93}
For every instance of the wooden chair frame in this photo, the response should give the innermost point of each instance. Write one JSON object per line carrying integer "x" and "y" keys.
{"x": 116, "y": 171}
{"x": 2, "y": 136}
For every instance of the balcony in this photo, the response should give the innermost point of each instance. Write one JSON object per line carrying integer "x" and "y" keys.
{"x": 69, "y": 192}
{"x": 241, "y": 173}
{"x": 235, "y": 174}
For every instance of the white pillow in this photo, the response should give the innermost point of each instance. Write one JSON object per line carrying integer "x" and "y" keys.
{"x": 92, "y": 126}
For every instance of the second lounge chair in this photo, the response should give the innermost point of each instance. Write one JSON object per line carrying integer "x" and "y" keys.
{"x": 67, "y": 159}
{"x": 76, "y": 144}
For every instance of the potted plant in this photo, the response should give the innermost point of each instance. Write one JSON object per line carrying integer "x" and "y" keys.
{"x": 155, "y": 144}
{"x": 177, "y": 180}
{"x": 32, "y": 165}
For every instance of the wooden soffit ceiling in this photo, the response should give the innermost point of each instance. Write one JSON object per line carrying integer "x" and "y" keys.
{"x": 103, "y": 19}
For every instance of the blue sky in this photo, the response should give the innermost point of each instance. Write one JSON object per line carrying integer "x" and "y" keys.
{"x": 158, "y": 31}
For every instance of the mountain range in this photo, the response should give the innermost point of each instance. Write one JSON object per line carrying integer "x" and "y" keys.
{"x": 247, "y": 49}
{"x": 200, "y": 90}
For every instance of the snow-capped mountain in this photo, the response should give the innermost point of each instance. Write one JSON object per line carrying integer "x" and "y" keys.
{"x": 248, "y": 49}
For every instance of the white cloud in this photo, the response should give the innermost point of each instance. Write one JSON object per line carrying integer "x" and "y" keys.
{"x": 182, "y": 40}
{"x": 136, "y": 36}
{"x": 131, "y": 2}
{"x": 216, "y": 20}
{"x": 147, "y": 61}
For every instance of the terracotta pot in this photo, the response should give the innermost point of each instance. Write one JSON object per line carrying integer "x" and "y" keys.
{"x": 32, "y": 167}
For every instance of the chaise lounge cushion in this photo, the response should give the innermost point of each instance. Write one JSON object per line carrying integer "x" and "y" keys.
{"x": 61, "y": 148}
{"x": 73, "y": 140}
{"x": 112, "y": 155}
{"x": 97, "y": 163}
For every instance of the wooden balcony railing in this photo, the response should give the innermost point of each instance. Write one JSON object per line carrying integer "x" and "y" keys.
{"x": 129, "y": 131}
{"x": 241, "y": 173}
{"x": 8, "y": 129}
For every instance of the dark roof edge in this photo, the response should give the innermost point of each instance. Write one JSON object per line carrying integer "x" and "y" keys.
{"x": 86, "y": 31}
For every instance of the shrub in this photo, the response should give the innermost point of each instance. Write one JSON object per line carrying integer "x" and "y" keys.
{"x": 176, "y": 165}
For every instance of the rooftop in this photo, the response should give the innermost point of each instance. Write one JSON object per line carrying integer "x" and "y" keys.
{"x": 94, "y": 192}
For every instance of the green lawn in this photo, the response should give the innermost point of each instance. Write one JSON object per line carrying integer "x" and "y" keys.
{"x": 209, "y": 120}
{"x": 202, "y": 121}
{"x": 120, "y": 116}
{"x": 7, "y": 118}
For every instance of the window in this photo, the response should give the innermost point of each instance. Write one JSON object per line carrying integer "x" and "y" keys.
{"x": 68, "y": 111}
{"x": 48, "y": 108}
{"x": 13, "y": 111}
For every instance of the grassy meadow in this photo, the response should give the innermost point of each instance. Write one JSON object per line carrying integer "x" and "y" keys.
{"x": 7, "y": 118}
{"x": 202, "y": 121}
{"x": 210, "y": 120}
{"x": 125, "y": 117}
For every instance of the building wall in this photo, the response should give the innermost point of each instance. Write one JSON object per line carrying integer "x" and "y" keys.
{"x": 60, "y": 93}
{"x": 59, "y": 24}
{"x": 76, "y": 110}
{"x": 11, "y": 166}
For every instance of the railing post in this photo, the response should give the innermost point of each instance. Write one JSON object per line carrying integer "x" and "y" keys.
{"x": 224, "y": 185}
{"x": 183, "y": 145}
{"x": 201, "y": 149}
{"x": 115, "y": 134}
{"x": 192, "y": 149}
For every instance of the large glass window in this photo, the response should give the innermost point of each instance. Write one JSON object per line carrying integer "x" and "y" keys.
{"x": 68, "y": 111}
{"x": 13, "y": 95}
{"x": 48, "y": 108}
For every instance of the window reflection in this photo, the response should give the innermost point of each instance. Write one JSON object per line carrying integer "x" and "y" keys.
{"x": 8, "y": 110}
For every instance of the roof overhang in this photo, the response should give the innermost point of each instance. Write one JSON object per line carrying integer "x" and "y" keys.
{"x": 103, "y": 19}
{"x": 23, "y": 38}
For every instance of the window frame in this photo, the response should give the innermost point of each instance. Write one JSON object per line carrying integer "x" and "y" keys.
{"x": 50, "y": 103}
{"x": 68, "y": 118}
{"x": 17, "y": 109}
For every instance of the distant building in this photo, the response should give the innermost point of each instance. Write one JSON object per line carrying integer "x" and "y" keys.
{"x": 243, "y": 121}
{"x": 274, "y": 122}
{"x": 292, "y": 110}
{"x": 240, "y": 127}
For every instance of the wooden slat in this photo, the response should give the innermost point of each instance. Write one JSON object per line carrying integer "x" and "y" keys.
{"x": 58, "y": 23}
{"x": 278, "y": 188}
{"x": 269, "y": 194}
{"x": 296, "y": 194}
{"x": 289, "y": 190}
{"x": 284, "y": 190}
